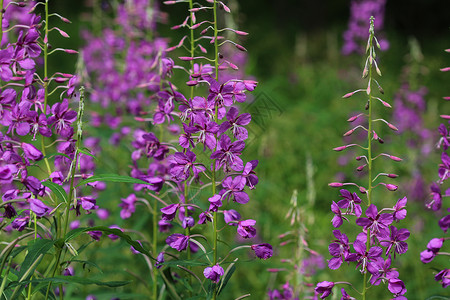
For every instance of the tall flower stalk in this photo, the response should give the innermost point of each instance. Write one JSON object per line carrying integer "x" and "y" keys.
{"x": 379, "y": 243}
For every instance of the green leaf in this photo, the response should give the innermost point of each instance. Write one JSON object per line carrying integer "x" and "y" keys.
{"x": 86, "y": 262}
{"x": 111, "y": 178}
{"x": 86, "y": 151}
{"x": 57, "y": 190}
{"x": 226, "y": 278}
{"x": 35, "y": 249}
{"x": 76, "y": 232}
{"x": 74, "y": 279}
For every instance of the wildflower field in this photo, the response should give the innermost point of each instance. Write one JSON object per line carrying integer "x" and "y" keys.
{"x": 227, "y": 149}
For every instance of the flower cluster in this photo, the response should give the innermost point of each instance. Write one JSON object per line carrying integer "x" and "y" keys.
{"x": 436, "y": 204}
{"x": 356, "y": 33}
{"x": 379, "y": 243}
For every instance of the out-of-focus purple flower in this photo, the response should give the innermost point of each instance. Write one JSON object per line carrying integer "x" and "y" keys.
{"x": 231, "y": 216}
{"x": 246, "y": 229}
{"x": 96, "y": 235}
{"x": 169, "y": 212}
{"x": 213, "y": 273}
{"x": 443, "y": 275}
{"x": 159, "y": 260}
{"x": 164, "y": 226}
{"x": 263, "y": 251}
{"x": 128, "y": 206}
{"x": 324, "y": 288}
{"x": 178, "y": 241}
{"x": 188, "y": 222}
{"x": 39, "y": 208}
{"x": 31, "y": 152}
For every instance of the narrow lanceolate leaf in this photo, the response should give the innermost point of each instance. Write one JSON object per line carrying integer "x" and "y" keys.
{"x": 111, "y": 178}
{"x": 57, "y": 190}
{"x": 76, "y": 232}
{"x": 73, "y": 279}
{"x": 35, "y": 249}
{"x": 85, "y": 151}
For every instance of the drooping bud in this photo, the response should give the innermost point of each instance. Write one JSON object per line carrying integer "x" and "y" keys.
{"x": 340, "y": 148}
{"x": 395, "y": 158}
{"x": 240, "y": 47}
{"x": 392, "y": 127}
{"x": 391, "y": 187}
{"x": 360, "y": 168}
{"x": 392, "y": 175}
{"x": 349, "y": 132}
{"x": 335, "y": 184}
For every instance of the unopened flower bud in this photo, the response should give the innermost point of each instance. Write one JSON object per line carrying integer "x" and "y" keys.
{"x": 240, "y": 47}
{"x": 360, "y": 168}
{"x": 391, "y": 187}
{"x": 349, "y": 132}
{"x": 392, "y": 127}
{"x": 380, "y": 140}
{"x": 362, "y": 190}
{"x": 186, "y": 58}
{"x": 335, "y": 184}
{"x": 392, "y": 175}
{"x": 340, "y": 148}
{"x": 395, "y": 158}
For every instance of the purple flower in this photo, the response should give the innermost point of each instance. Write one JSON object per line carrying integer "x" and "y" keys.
{"x": 188, "y": 222}
{"x": 351, "y": 202}
{"x": 337, "y": 219}
{"x": 364, "y": 257}
{"x": 159, "y": 260}
{"x": 399, "y": 209}
{"x": 444, "y": 141}
{"x": 381, "y": 270}
{"x": 214, "y": 273}
{"x": 234, "y": 188}
{"x": 128, "y": 206}
{"x": 436, "y": 203}
{"x": 377, "y": 223}
{"x": 164, "y": 226}
{"x": 444, "y": 223}
{"x": 235, "y": 122}
{"x": 396, "y": 242}
{"x": 443, "y": 275}
{"x": 206, "y": 132}
{"x": 396, "y": 286}
{"x": 246, "y": 229}
{"x": 215, "y": 202}
{"x": 20, "y": 223}
{"x": 178, "y": 241}
{"x": 182, "y": 164}
{"x": 88, "y": 203}
{"x": 346, "y": 296}
{"x": 427, "y": 256}
{"x": 39, "y": 208}
{"x": 324, "y": 288}
{"x": 231, "y": 216}
{"x": 62, "y": 118}
{"x": 170, "y": 211}
{"x": 227, "y": 154}
{"x": 435, "y": 244}
{"x": 263, "y": 251}
{"x": 339, "y": 249}
{"x": 96, "y": 235}
{"x": 250, "y": 176}
{"x": 444, "y": 168}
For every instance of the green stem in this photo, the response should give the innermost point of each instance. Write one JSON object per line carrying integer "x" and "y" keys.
{"x": 369, "y": 151}
{"x": 191, "y": 6}
{"x": 213, "y": 177}
{"x": 1, "y": 20}
{"x": 155, "y": 248}
{"x": 47, "y": 164}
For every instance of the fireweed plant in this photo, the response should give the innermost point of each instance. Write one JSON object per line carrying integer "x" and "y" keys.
{"x": 303, "y": 264}
{"x": 43, "y": 166}
{"x": 380, "y": 242}
{"x": 205, "y": 156}
{"x": 435, "y": 245}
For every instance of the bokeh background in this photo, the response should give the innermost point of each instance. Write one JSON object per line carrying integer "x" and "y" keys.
{"x": 294, "y": 51}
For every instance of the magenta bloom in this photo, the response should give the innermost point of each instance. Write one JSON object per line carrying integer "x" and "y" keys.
{"x": 338, "y": 218}
{"x": 39, "y": 208}
{"x": 227, "y": 154}
{"x": 263, "y": 251}
{"x": 183, "y": 165}
{"x": 31, "y": 152}
{"x": 235, "y": 188}
{"x": 396, "y": 242}
{"x": 400, "y": 211}
{"x": 396, "y": 286}
{"x": 324, "y": 288}
{"x": 443, "y": 275}
{"x": 339, "y": 250}
{"x": 213, "y": 273}
{"x": 159, "y": 260}
{"x": 350, "y": 202}
{"x": 246, "y": 229}
{"x": 231, "y": 216}
{"x": 215, "y": 202}
{"x": 169, "y": 212}
{"x": 127, "y": 205}
{"x": 178, "y": 241}
{"x": 377, "y": 223}
{"x": 236, "y": 123}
